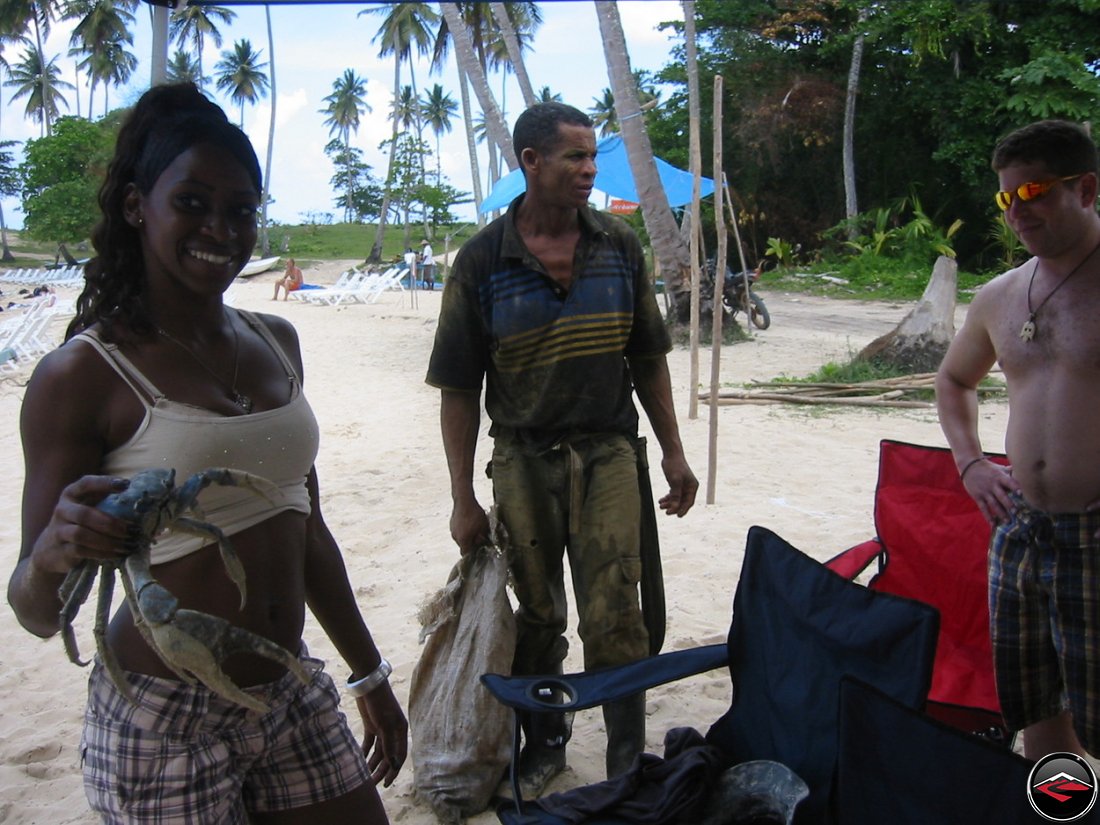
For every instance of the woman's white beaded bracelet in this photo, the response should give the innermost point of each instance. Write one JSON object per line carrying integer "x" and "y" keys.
{"x": 362, "y": 687}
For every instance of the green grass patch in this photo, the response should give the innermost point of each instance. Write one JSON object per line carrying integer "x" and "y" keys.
{"x": 865, "y": 277}
{"x": 353, "y": 241}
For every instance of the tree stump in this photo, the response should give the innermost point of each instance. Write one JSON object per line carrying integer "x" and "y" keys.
{"x": 920, "y": 341}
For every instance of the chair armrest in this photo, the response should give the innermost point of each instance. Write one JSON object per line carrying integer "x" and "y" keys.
{"x": 578, "y": 691}
{"x": 855, "y": 560}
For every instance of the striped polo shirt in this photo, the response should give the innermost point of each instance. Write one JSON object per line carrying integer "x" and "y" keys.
{"x": 553, "y": 360}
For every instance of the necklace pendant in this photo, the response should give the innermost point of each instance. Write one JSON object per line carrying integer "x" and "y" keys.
{"x": 1027, "y": 331}
{"x": 242, "y": 401}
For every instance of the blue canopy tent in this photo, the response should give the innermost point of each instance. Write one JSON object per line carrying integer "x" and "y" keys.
{"x": 613, "y": 177}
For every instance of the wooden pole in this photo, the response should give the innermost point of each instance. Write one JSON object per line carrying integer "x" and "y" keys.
{"x": 719, "y": 283}
{"x": 696, "y": 188}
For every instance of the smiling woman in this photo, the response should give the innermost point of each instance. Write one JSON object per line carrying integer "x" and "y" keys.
{"x": 158, "y": 374}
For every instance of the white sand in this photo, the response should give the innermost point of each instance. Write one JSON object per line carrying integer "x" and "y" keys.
{"x": 807, "y": 473}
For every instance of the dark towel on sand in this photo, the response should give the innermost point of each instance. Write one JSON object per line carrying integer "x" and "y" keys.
{"x": 654, "y": 790}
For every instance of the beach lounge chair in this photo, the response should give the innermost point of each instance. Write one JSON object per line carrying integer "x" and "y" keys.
{"x": 930, "y": 544}
{"x": 321, "y": 295}
{"x": 797, "y": 630}
{"x": 391, "y": 279}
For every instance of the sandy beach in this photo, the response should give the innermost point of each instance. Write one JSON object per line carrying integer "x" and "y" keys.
{"x": 808, "y": 473}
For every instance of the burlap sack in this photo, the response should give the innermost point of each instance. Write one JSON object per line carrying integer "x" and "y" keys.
{"x": 461, "y": 735}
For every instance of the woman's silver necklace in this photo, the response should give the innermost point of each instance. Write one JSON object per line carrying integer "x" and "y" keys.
{"x": 1029, "y": 330}
{"x": 237, "y": 397}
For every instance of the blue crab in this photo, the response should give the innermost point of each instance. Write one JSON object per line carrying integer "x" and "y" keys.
{"x": 191, "y": 643}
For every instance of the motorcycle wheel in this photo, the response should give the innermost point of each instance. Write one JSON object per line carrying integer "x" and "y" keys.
{"x": 758, "y": 312}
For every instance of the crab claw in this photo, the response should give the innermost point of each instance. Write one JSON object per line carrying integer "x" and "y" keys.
{"x": 195, "y": 643}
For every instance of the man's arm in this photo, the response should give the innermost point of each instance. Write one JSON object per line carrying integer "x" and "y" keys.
{"x": 654, "y": 387}
{"x": 968, "y": 360}
{"x": 460, "y": 419}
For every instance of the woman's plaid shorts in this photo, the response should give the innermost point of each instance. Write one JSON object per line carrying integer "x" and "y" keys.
{"x": 182, "y": 754}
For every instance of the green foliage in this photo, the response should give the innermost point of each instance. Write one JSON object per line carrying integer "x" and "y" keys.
{"x": 941, "y": 81}
{"x": 1053, "y": 85}
{"x": 781, "y": 250}
{"x": 902, "y": 230}
{"x": 1010, "y": 252}
{"x": 61, "y": 175}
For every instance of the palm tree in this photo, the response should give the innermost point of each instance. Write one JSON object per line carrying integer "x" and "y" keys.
{"x": 40, "y": 82}
{"x": 515, "y": 51}
{"x": 241, "y": 75}
{"x": 101, "y": 37}
{"x": 406, "y": 108}
{"x": 183, "y": 67}
{"x": 405, "y": 26}
{"x": 196, "y": 23}
{"x": 547, "y": 96}
{"x": 265, "y": 244}
{"x": 468, "y": 63}
{"x": 602, "y": 111}
{"x": 112, "y": 65}
{"x": 668, "y": 245}
{"x": 16, "y": 18}
{"x": 438, "y": 107}
{"x": 346, "y": 105}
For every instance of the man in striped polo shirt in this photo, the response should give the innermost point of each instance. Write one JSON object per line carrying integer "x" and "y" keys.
{"x": 550, "y": 305}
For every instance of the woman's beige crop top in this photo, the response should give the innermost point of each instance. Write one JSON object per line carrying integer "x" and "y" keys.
{"x": 279, "y": 445}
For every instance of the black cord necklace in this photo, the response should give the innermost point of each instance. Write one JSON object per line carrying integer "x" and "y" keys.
{"x": 1029, "y": 330}
{"x": 237, "y": 397}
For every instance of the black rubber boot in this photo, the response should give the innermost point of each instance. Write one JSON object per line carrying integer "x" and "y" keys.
{"x": 543, "y": 754}
{"x": 625, "y": 721}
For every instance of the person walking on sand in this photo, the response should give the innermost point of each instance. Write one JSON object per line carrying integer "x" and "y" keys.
{"x": 156, "y": 371}
{"x": 1038, "y": 322}
{"x": 550, "y": 306}
{"x": 291, "y": 280}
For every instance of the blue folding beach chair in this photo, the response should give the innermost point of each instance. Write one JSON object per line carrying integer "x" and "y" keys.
{"x": 797, "y": 630}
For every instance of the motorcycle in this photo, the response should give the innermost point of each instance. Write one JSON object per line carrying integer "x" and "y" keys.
{"x": 738, "y": 295}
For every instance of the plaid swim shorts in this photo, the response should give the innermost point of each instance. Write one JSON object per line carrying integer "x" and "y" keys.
{"x": 182, "y": 754}
{"x": 1044, "y": 607}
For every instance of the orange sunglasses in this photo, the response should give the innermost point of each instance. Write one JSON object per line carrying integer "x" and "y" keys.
{"x": 1030, "y": 191}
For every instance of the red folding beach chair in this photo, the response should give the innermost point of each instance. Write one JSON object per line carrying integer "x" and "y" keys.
{"x": 930, "y": 544}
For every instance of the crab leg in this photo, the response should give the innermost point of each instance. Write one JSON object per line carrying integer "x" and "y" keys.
{"x": 74, "y": 592}
{"x": 233, "y": 567}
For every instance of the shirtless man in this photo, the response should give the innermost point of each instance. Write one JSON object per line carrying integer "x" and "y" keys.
{"x": 1038, "y": 322}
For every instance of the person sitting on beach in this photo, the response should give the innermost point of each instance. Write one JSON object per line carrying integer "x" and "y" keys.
{"x": 157, "y": 371}
{"x": 290, "y": 282}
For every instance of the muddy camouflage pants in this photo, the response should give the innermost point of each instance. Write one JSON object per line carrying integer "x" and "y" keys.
{"x": 579, "y": 498}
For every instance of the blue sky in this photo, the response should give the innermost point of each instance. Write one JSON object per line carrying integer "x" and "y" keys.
{"x": 314, "y": 44}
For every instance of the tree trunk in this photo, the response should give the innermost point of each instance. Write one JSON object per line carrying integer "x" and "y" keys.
{"x": 467, "y": 62}
{"x": 515, "y": 53}
{"x": 471, "y": 145}
{"x": 920, "y": 341}
{"x": 265, "y": 242}
{"x": 159, "y": 59}
{"x": 664, "y": 234}
{"x": 851, "y": 202}
{"x": 695, "y": 146}
{"x": 376, "y": 250}
{"x": 5, "y": 255}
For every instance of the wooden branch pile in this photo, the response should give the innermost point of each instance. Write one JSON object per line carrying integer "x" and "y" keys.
{"x": 886, "y": 392}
